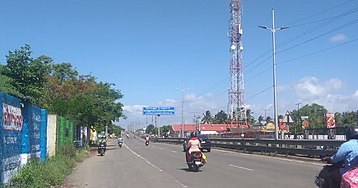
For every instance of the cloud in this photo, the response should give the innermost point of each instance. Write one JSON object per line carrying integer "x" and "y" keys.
{"x": 192, "y": 104}
{"x": 133, "y": 108}
{"x": 338, "y": 38}
{"x": 311, "y": 88}
{"x": 327, "y": 93}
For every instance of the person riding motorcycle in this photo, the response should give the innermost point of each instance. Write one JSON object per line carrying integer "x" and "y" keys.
{"x": 103, "y": 140}
{"x": 120, "y": 140}
{"x": 346, "y": 153}
{"x": 147, "y": 139}
{"x": 193, "y": 144}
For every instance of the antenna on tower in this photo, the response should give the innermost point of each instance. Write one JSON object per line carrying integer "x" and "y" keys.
{"x": 236, "y": 99}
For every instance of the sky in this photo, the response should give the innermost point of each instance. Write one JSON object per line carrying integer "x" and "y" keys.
{"x": 164, "y": 53}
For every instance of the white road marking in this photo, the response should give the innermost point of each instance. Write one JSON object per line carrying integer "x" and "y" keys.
{"x": 144, "y": 159}
{"x": 174, "y": 151}
{"x": 277, "y": 158}
{"x": 249, "y": 169}
{"x": 160, "y": 170}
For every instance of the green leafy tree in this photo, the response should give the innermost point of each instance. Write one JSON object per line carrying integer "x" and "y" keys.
{"x": 114, "y": 129}
{"x": 269, "y": 119}
{"x": 6, "y": 84}
{"x": 207, "y": 118}
{"x": 260, "y": 119}
{"x": 165, "y": 129}
{"x": 149, "y": 129}
{"x": 27, "y": 75}
{"x": 81, "y": 98}
{"x": 315, "y": 113}
{"x": 345, "y": 119}
{"x": 220, "y": 117}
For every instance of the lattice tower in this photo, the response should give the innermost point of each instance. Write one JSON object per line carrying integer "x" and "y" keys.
{"x": 236, "y": 102}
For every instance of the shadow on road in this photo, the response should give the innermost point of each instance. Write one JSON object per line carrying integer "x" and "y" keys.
{"x": 187, "y": 170}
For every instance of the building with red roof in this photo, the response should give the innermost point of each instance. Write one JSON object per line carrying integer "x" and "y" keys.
{"x": 203, "y": 128}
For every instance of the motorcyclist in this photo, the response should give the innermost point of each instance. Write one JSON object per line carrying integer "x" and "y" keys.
{"x": 193, "y": 144}
{"x": 147, "y": 139}
{"x": 347, "y": 153}
{"x": 127, "y": 134}
{"x": 120, "y": 140}
{"x": 103, "y": 140}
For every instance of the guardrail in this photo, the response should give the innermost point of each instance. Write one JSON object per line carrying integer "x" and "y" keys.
{"x": 303, "y": 148}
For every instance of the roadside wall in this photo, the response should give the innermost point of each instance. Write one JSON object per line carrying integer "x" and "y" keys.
{"x": 22, "y": 133}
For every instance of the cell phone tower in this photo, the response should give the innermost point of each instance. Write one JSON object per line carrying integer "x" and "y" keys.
{"x": 236, "y": 99}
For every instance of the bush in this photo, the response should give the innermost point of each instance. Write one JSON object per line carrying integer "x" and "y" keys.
{"x": 52, "y": 172}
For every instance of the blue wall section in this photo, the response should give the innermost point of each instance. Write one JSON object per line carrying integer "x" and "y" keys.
{"x": 43, "y": 135}
{"x": 34, "y": 132}
{"x": 10, "y": 134}
{"x": 25, "y": 146}
{"x": 23, "y": 129}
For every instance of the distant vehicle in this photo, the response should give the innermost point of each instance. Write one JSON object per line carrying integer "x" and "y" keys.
{"x": 204, "y": 141}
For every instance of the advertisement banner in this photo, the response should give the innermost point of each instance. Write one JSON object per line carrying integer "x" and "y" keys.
{"x": 330, "y": 121}
{"x": 282, "y": 126}
{"x": 12, "y": 118}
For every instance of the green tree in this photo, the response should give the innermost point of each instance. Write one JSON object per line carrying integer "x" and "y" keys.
{"x": 165, "y": 129}
{"x": 315, "y": 113}
{"x": 261, "y": 118}
{"x": 149, "y": 129}
{"x": 251, "y": 119}
{"x": 269, "y": 119}
{"x": 27, "y": 75}
{"x": 81, "y": 98}
{"x": 207, "y": 118}
{"x": 220, "y": 117}
{"x": 345, "y": 119}
{"x": 6, "y": 84}
{"x": 114, "y": 129}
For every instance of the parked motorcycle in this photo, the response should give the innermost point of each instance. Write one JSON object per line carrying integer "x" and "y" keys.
{"x": 195, "y": 161}
{"x": 101, "y": 148}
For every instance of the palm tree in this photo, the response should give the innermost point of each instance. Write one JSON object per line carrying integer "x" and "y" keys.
{"x": 207, "y": 118}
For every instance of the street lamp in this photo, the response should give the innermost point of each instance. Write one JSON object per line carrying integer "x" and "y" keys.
{"x": 273, "y": 31}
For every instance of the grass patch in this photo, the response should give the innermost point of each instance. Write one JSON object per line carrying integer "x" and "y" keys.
{"x": 51, "y": 172}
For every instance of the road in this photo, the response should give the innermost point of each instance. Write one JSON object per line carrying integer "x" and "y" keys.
{"x": 163, "y": 165}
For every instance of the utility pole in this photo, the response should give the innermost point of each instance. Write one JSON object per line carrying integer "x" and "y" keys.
{"x": 158, "y": 126}
{"x": 299, "y": 116}
{"x": 182, "y": 130}
{"x": 273, "y": 31}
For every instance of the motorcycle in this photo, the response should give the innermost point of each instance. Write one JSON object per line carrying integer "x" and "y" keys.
{"x": 120, "y": 142}
{"x": 146, "y": 143}
{"x": 195, "y": 161}
{"x": 321, "y": 179}
{"x": 101, "y": 148}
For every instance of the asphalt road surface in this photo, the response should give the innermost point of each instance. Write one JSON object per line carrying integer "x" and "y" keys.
{"x": 163, "y": 165}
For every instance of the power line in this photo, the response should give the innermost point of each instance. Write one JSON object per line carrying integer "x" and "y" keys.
{"x": 320, "y": 35}
{"x": 314, "y": 15}
{"x": 319, "y": 51}
{"x": 331, "y": 19}
{"x": 318, "y": 27}
{"x": 260, "y": 92}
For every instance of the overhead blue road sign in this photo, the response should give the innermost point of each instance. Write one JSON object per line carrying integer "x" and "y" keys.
{"x": 158, "y": 110}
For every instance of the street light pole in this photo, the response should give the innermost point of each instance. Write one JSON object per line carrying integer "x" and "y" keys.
{"x": 273, "y": 31}
{"x": 299, "y": 116}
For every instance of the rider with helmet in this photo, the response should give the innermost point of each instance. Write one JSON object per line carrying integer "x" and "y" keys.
{"x": 193, "y": 144}
{"x": 348, "y": 153}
